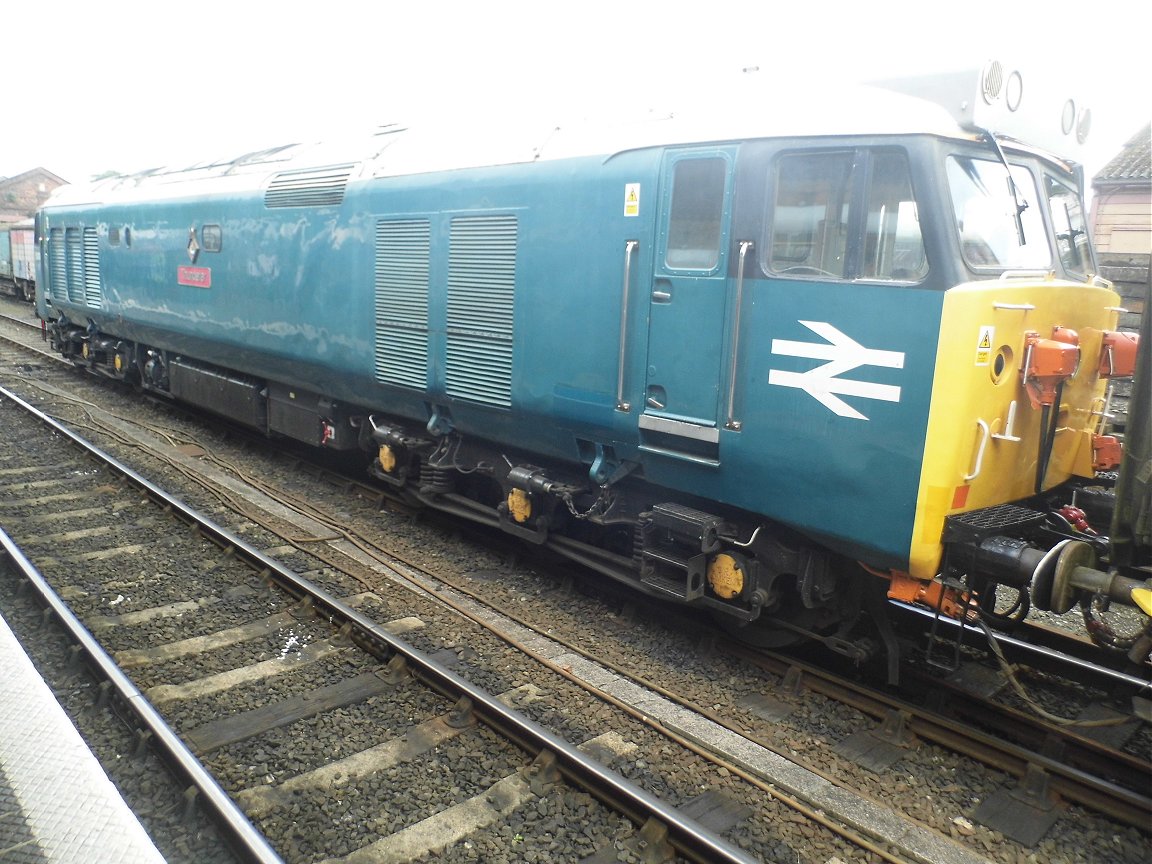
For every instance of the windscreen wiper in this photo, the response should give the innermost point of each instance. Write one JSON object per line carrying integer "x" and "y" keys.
{"x": 1020, "y": 206}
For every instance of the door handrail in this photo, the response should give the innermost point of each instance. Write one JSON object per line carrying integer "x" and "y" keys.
{"x": 731, "y": 422}
{"x": 629, "y": 248}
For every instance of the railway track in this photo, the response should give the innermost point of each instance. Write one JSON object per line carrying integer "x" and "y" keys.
{"x": 733, "y": 709}
{"x": 1051, "y": 762}
{"x": 168, "y": 609}
{"x": 231, "y": 646}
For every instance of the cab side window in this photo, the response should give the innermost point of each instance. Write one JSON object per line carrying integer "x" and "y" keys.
{"x": 893, "y": 246}
{"x": 810, "y": 215}
{"x": 846, "y": 214}
{"x": 1071, "y": 228}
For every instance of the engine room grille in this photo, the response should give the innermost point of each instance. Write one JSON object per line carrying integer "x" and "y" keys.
{"x": 92, "y": 294}
{"x": 481, "y": 283}
{"x": 58, "y": 264}
{"x": 75, "y": 265}
{"x": 402, "y": 274}
{"x": 312, "y": 187}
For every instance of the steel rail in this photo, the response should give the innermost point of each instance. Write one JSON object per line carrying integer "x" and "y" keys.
{"x": 1074, "y": 784}
{"x": 246, "y": 840}
{"x": 1040, "y": 656}
{"x": 690, "y": 839}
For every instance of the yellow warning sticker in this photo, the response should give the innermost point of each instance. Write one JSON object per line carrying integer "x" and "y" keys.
{"x": 984, "y": 345}
{"x": 632, "y": 199}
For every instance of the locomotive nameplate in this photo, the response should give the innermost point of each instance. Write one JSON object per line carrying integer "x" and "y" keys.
{"x": 197, "y": 277}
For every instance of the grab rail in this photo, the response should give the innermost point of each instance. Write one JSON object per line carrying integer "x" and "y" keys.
{"x": 731, "y": 422}
{"x": 979, "y": 453}
{"x": 629, "y": 248}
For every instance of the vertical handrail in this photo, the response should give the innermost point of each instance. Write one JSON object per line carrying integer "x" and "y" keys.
{"x": 731, "y": 422}
{"x": 629, "y": 248}
{"x": 980, "y": 452}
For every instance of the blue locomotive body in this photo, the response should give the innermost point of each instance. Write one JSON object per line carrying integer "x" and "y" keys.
{"x": 672, "y": 338}
{"x": 527, "y": 354}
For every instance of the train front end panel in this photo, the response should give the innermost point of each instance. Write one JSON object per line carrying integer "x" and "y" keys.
{"x": 1017, "y": 399}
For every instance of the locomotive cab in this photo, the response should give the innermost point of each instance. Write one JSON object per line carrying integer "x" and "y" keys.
{"x": 1027, "y": 354}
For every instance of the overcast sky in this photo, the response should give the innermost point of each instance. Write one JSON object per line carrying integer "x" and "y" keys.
{"x": 132, "y": 84}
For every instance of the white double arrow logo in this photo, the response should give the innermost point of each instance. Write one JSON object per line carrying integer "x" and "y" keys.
{"x": 843, "y": 354}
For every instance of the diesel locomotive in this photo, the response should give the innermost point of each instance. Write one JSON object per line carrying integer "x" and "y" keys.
{"x": 770, "y": 358}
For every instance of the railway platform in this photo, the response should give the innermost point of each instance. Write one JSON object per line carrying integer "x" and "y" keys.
{"x": 56, "y": 802}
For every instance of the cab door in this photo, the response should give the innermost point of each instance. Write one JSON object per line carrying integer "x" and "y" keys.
{"x": 687, "y": 306}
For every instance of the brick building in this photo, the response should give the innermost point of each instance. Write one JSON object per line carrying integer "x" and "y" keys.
{"x": 22, "y": 195}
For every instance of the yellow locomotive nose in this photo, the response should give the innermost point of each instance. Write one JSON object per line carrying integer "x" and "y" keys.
{"x": 1016, "y": 398}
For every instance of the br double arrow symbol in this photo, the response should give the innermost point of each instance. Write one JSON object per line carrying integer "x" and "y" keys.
{"x": 843, "y": 354}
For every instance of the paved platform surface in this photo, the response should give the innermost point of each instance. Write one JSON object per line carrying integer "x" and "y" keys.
{"x": 56, "y": 802}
